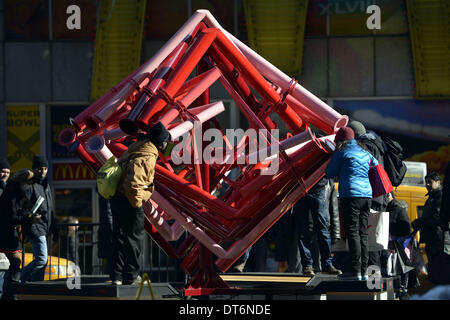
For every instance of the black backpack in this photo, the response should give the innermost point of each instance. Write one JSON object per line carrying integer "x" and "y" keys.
{"x": 393, "y": 161}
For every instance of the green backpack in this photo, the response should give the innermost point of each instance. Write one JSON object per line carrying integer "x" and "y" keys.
{"x": 108, "y": 177}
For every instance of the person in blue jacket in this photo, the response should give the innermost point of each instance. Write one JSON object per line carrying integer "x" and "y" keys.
{"x": 351, "y": 163}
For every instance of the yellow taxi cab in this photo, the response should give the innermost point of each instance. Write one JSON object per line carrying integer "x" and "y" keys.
{"x": 57, "y": 268}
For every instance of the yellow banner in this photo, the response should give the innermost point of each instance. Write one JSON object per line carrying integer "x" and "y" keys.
{"x": 23, "y": 135}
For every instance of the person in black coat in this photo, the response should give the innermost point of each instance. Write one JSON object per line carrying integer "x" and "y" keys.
{"x": 430, "y": 223}
{"x": 5, "y": 171}
{"x": 433, "y": 226}
{"x": 16, "y": 203}
{"x": 38, "y": 232}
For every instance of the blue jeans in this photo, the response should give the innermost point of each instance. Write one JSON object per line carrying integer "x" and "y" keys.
{"x": 34, "y": 271}
{"x": 314, "y": 203}
{"x": 2, "y": 276}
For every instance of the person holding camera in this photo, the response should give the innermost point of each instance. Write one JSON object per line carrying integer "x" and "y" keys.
{"x": 16, "y": 203}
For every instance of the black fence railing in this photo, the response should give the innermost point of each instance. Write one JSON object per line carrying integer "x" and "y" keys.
{"x": 76, "y": 252}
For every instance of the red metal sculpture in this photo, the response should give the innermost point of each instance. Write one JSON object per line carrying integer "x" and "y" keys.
{"x": 225, "y": 203}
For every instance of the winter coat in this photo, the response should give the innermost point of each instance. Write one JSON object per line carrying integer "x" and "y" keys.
{"x": 138, "y": 170}
{"x": 47, "y": 223}
{"x": 15, "y": 207}
{"x": 399, "y": 225}
{"x": 430, "y": 223}
{"x": 375, "y": 145}
{"x": 351, "y": 165}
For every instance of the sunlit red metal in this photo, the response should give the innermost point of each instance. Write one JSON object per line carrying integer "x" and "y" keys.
{"x": 191, "y": 197}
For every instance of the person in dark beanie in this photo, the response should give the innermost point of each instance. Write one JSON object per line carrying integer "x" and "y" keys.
{"x": 37, "y": 233}
{"x": 5, "y": 171}
{"x": 375, "y": 145}
{"x": 16, "y": 203}
{"x": 135, "y": 188}
{"x": 350, "y": 163}
{"x": 430, "y": 223}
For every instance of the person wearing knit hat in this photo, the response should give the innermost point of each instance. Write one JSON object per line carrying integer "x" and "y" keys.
{"x": 344, "y": 134}
{"x": 5, "y": 171}
{"x": 15, "y": 216}
{"x": 37, "y": 234}
{"x": 40, "y": 167}
{"x": 135, "y": 188}
{"x": 351, "y": 163}
{"x": 358, "y": 128}
{"x": 158, "y": 135}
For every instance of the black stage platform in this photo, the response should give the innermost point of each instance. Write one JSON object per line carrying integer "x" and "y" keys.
{"x": 268, "y": 286}
{"x": 92, "y": 288}
{"x": 248, "y": 286}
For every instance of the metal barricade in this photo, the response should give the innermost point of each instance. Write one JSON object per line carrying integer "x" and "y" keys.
{"x": 76, "y": 252}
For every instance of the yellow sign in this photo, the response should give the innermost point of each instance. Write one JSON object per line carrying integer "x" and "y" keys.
{"x": 72, "y": 171}
{"x": 23, "y": 124}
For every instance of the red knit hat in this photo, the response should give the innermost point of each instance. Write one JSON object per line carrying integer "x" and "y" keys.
{"x": 345, "y": 133}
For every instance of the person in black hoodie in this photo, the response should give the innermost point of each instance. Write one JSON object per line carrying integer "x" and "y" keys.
{"x": 5, "y": 171}
{"x": 37, "y": 233}
{"x": 16, "y": 203}
{"x": 430, "y": 223}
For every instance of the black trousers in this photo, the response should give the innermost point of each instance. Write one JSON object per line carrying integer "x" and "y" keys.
{"x": 128, "y": 233}
{"x": 355, "y": 214}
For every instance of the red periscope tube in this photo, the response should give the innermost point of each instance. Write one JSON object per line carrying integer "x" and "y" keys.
{"x": 178, "y": 77}
{"x": 79, "y": 122}
{"x": 257, "y": 81}
{"x": 128, "y": 124}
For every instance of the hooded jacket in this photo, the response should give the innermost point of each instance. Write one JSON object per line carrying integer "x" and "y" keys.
{"x": 351, "y": 166}
{"x": 138, "y": 170}
{"x": 47, "y": 223}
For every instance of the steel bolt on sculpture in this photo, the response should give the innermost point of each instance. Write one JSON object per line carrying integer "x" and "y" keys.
{"x": 223, "y": 215}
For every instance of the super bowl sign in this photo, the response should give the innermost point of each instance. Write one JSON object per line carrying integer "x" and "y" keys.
{"x": 72, "y": 171}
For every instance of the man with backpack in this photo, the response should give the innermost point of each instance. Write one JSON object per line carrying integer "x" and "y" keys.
{"x": 389, "y": 155}
{"x": 135, "y": 187}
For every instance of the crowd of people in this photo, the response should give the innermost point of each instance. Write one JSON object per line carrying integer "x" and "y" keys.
{"x": 303, "y": 238}
{"x": 305, "y": 235}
